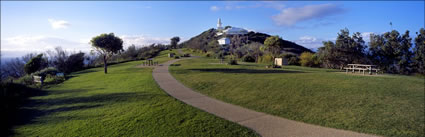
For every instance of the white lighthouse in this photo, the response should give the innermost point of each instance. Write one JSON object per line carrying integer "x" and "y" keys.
{"x": 219, "y": 27}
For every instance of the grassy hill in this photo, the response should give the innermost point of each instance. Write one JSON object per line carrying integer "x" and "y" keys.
{"x": 124, "y": 102}
{"x": 202, "y": 40}
{"x": 389, "y": 105}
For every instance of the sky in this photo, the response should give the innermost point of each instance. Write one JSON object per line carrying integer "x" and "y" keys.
{"x": 38, "y": 26}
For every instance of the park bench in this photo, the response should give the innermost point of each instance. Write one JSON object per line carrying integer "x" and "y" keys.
{"x": 38, "y": 79}
{"x": 361, "y": 68}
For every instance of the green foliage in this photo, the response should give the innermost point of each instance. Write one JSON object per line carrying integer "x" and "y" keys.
{"x": 186, "y": 55}
{"x": 248, "y": 58}
{"x": 308, "y": 59}
{"x": 107, "y": 45}
{"x": 75, "y": 62}
{"x": 293, "y": 61}
{"x": 174, "y": 41}
{"x": 273, "y": 45}
{"x": 46, "y": 71}
{"x": 26, "y": 80}
{"x": 176, "y": 57}
{"x": 35, "y": 64}
{"x": 391, "y": 52}
{"x": 419, "y": 52}
{"x": 232, "y": 62}
{"x": 266, "y": 59}
{"x": 346, "y": 50}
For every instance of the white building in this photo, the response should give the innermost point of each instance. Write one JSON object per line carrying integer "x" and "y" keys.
{"x": 235, "y": 31}
{"x": 224, "y": 41}
{"x": 228, "y": 31}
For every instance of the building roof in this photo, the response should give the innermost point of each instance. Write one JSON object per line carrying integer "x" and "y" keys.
{"x": 235, "y": 30}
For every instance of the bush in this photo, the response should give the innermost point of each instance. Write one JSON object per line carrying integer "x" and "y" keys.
{"x": 75, "y": 62}
{"x": 233, "y": 62}
{"x": 35, "y": 64}
{"x": 26, "y": 80}
{"x": 186, "y": 55}
{"x": 293, "y": 61}
{"x": 46, "y": 71}
{"x": 208, "y": 55}
{"x": 248, "y": 58}
{"x": 176, "y": 57}
{"x": 265, "y": 59}
{"x": 308, "y": 59}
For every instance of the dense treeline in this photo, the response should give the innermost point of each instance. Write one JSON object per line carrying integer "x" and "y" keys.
{"x": 392, "y": 52}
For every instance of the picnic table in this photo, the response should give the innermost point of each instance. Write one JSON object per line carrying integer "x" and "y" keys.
{"x": 360, "y": 68}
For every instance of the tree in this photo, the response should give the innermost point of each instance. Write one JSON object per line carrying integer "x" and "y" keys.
{"x": 404, "y": 58}
{"x": 174, "y": 42}
{"x": 57, "y": 58}
{"x": 419, "y": 51}
{"x": 107, "y": 45}
{"x": 346, "y": 49}
{"x": 75, "y": 62}
{"x": 308, "y": 59}
{"x": 273, "y": 45}
{"x": 35, "y": 64}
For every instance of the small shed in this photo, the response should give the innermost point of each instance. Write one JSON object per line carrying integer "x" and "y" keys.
{"x": 170, "y": 55}
{"x": 280, "y": 61}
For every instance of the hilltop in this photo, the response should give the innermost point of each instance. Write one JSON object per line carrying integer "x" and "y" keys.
{"x": 202, "y": 40}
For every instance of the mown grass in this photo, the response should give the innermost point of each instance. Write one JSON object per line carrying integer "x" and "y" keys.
{"x": 124, "y": 102}
{"x": 388, "y": 105}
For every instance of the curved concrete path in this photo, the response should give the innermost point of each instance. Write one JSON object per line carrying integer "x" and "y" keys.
{"x": 264, "y": 124}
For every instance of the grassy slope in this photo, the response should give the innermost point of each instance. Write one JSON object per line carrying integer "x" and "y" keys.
{"x": 384, "y": 105}
{"x": 125, "y": 102}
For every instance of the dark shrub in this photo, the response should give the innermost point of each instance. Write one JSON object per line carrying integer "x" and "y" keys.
{"x": 176, "y": 57}
{"x": 26, "y": 80}
{"x": 293, "y": 61}
{"x": 186, "y": 55}
{"x": 233, "y": 62}
{"x": 248, "y": 58}
{"x": 75, "y": 62}
{"x": 46, "y": 71}
{"x": 35, "y": 64}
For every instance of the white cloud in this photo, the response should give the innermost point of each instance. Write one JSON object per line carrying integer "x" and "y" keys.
{"x": 214, "y": 8}
{"x": 291, "y": 16}
{"x": 20, "y": 45}
{"x": 310, "y": 42}
{"x": 59, "y": 24}
{"x": 140, "y": 40}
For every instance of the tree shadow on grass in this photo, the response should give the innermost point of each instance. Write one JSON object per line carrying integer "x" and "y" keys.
{"x": 246, "y": 70}
{"x": 34, "y": 108}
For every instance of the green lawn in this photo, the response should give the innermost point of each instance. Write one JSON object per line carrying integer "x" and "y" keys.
{"x": 384, "y": 105}
{"x": 124, "y": 102}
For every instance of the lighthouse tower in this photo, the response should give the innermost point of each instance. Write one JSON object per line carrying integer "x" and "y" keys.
{"x": 219, "y": 27}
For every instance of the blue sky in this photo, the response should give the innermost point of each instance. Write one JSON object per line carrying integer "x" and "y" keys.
{"x": 40, "y": 26}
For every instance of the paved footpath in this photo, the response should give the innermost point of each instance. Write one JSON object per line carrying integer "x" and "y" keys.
{"x": 264, "y": 124}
